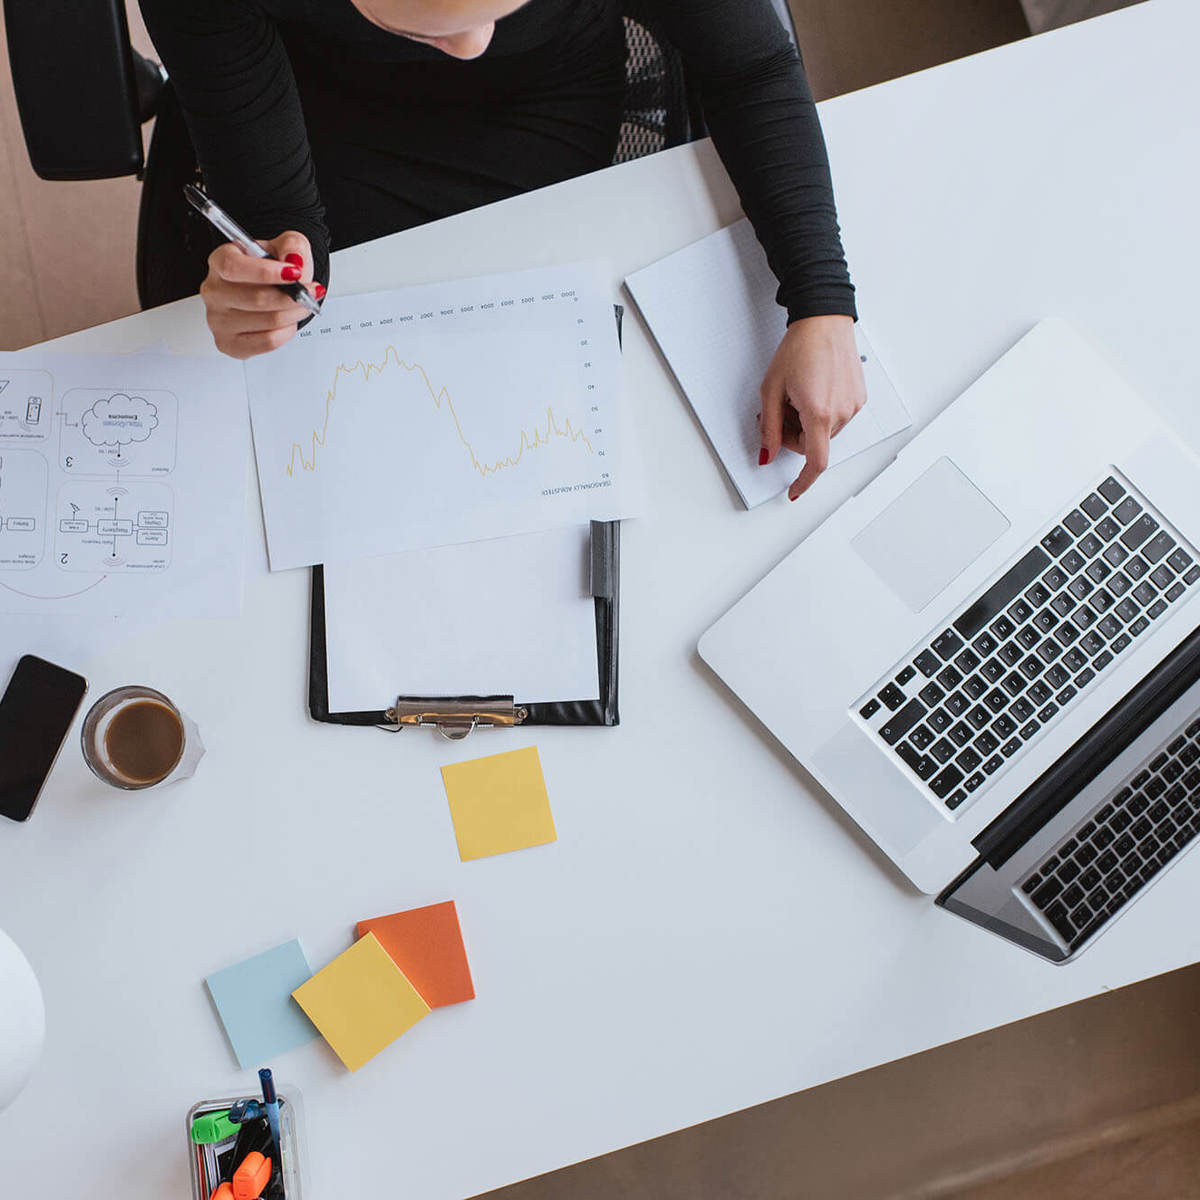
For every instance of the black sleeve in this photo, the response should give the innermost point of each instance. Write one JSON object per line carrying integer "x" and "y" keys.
{"x": 229, "y": 67}
{"x": 763, "y": 120}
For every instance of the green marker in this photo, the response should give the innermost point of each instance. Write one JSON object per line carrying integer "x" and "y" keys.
{"x": 213, "y": 1127}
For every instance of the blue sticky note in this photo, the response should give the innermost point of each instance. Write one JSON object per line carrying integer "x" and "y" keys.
{"x": 255, "y": 1001}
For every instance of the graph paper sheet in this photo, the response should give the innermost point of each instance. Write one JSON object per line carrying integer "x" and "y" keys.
{"x": 711, "y": 307}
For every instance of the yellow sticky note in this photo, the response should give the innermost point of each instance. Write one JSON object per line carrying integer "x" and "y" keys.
{"x": 499, "y": 803}
{"x": 361, "y": 1002}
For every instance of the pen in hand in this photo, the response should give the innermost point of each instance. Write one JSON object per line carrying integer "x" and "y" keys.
{"x": 225, "y": 224}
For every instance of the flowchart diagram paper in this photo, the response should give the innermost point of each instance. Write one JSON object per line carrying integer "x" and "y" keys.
{"x": 122, "y": 484}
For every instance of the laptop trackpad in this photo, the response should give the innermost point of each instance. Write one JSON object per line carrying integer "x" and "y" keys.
{"x": 930, "y": 534}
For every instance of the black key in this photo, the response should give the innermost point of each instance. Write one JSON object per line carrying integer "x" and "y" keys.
{"x": 1174, "y": 592}
{"x": 1027, "y": 731}
{"x": 1037, "y": 595}
{"x": 974, "y": 781}
{"x": 968, "y": 760}
{"x": 1145, "y": 526}
{"x": 1089, "y": 879}
{"x": 1156, "y": 610}
{"x": 1107, "y": 861}
{"x": 1031, "y": 883}
{"x": 899, "y": 723}
{"x": 1111, "y": 490}
{"x": 945, "y": 782}
{"x": 947, "y": 644}
{"x": 1020, "y": 612}
{"x": 1072, "y": 562}
{"x": 1010, "y": 747}
{"x": 1175, "y": 746}
{"x": 1084, "y": 618}
{"x": 1084, "y": 677}
{"x": 1161, "y": 576}
{"x": 1145, "y": 592}
{"x": 1081, "y": 587}
{"x": 1066, "y": 695}
{"x": 957, "y": 704}
{"x": 1122, "y": 643}
{"x": 920, "y": 764}
{"x": 992, "y": 670}
{"x": 1121, "y": 821}
{"x": 1158, "y": 547}
{"x": 1087, "y": 854}
{"x": 1049, "y": 864}
{"x": 1136, "y": 567}
{"x": 1063, "y": 603}
{"x": 1127, "y": 510}
{"x": 931, "y": 694}
{"x": 1049, "y": 711}
{"x": 949, "y": 678}
{"x": 1110, "y": 626}
{"x": 1154, "y": 789}
{"x": 1180, "y": 560}
{"x": 1140, "y": 829}
{"x": 1098, "y": 571}
{"x": 1047, "y": 892}
{"x": 1125, "y": 843}
{"x": 1116, "y": 554}
{"x": 953, "y": 801}
{"x": 1058, "y": 539}
{"x": 1074, "y": 660}
{"x": 979, "y": 716}
{"x": 921, "y": 737}
{"x": 996, "y": 700}
{"x": 1106, "y": 811}
{"x": 1192, "y": 575}
{"x": 1057, "y": 916}
{"x": 1118, "y": 585}
{"x": 1073, "y": 895}
{"x": 994, "y": 601}
{"x": 1127, "y": 610}
{"x": 1076, "y": 522}
{"x": 1066, "y": 633}
{"x": 1068, "y": 848}
{"x": 939, "y": 720}
{"x": 1107, "y": 529}
{"x": 1090, "y": 546}
{"x": 960, "y": 734}
{"x": 1068, "y": 871}
{"x": 984, "y": 645}
{"x": 986, "y": 742}
{"x": 1029, "y": 637}
{"x": 1032, "y": 667}
{"x": 1040, "y": 692}
{"x": 1139, "y": 626}
{"x": 942, "y": 750}
{"x": 1094, "y": 506}
{"x": 1097, "y": 898}
{"x": 1004, "y": 726}
{"x": 892, "y": 696}
{"x": 1058, "y": 676}
{"x": 975, "y": 687}
{"x": 993, "y": 764}
{"x": 927, "y": 663}
{"x": 1101, "y": 601}
{"x": 1049, "y": 650}
{"x": 1045, "y": 620}
{"x": 1003, "y": 628}
{"x": 869, "y": 709}
{"x": 1022, "y": 709}
{"x": 1010, "y": 654}
{"x": 967, "y": 661}
{"x": 1054, "y": 579}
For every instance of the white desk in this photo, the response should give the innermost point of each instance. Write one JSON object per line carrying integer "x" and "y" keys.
{"x": 708, "y": 932}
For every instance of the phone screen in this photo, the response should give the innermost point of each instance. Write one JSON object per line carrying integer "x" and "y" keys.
{"x": 35, "y": 713}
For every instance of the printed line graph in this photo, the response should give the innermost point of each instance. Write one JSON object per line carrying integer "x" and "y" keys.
{"x": 543, "y": 434}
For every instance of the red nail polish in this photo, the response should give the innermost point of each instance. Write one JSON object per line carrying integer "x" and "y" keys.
{"x": 763, "y": 455}
{"x": 319, "y": 291}
{"x": 295, "y": 259}
{"x": 794, "y": 498}
{"x": 291, "y": 274}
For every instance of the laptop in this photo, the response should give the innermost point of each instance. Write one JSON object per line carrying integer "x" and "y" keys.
{"x": 993, "y": 650}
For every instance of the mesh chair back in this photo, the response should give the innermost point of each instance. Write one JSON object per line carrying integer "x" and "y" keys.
{"x": 659, "y": 112}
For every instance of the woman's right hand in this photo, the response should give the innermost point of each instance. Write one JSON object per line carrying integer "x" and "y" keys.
{"x": 247, "y": 312}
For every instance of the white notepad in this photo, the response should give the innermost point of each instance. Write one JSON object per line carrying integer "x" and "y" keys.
{"x": 711, "y": 307}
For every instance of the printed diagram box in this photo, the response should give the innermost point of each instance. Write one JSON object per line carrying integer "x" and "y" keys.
{"x": 26, "y": 405}
{"x": 123, "y": 433}
{"x": 24, "y": 483}
{"x": 152, "y": 520}
{"x": 99, "y": 526}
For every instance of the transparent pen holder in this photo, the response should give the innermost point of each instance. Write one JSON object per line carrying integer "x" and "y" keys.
{"x": 208, "y": 1160}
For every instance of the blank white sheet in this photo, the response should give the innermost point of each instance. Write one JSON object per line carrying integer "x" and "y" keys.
{"x": 510, "y": 616}
{"x": 711, "y": 308}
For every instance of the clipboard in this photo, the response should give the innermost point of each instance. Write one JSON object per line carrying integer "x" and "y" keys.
{"x": 456, "y": 716}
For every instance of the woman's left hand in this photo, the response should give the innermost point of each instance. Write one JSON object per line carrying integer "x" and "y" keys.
{"x": 811, "y": 390}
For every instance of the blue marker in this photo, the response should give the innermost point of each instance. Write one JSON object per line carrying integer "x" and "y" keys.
{"x": 271, "y": 1101}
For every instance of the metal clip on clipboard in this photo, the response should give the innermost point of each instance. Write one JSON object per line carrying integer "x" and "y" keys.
{"x": 455, "y": 717}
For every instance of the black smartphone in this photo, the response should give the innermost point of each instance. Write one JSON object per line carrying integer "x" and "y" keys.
{"x": 36, "y": 711}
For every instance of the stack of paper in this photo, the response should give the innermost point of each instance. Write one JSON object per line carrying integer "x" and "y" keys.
{"x": 711, "y": 307}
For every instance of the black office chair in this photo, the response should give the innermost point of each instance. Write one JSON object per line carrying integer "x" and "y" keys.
{"x": 82, "y": 106}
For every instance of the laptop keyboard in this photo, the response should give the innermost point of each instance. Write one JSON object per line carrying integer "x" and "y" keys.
{"x": 961, "y": 706}
{"x": 1120, "y": 848}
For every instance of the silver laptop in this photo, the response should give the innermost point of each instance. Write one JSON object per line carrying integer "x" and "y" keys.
{"x": 993, "y": 652}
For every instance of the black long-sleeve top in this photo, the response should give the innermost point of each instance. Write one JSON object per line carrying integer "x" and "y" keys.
{"x": 256, "y": 77}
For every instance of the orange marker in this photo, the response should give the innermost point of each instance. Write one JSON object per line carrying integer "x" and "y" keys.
{"x": 224, "y": 1192}
{"x": 251, "y": 1177}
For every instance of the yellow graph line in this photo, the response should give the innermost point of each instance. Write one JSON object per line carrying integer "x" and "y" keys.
{"x": 540, "y": 437}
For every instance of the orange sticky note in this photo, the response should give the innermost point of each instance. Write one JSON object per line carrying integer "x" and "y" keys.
{"x": 426, "y": 944}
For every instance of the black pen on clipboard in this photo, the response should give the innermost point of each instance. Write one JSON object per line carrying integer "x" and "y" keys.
{"x": 224, "y": 223}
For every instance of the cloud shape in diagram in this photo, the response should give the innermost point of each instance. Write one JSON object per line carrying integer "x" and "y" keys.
{"x": 119, "y": 419}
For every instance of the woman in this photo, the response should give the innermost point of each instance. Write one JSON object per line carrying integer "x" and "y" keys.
{"x": 323, "y": 123}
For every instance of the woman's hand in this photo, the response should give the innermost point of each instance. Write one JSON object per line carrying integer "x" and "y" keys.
{"x": 247, "y": 312}
{"x": 812, "y": 388}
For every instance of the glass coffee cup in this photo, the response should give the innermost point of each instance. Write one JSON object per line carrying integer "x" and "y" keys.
{"x": 135, "y": 738}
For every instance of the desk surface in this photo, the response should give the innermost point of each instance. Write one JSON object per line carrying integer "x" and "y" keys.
{"x": 709, "y": 931}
